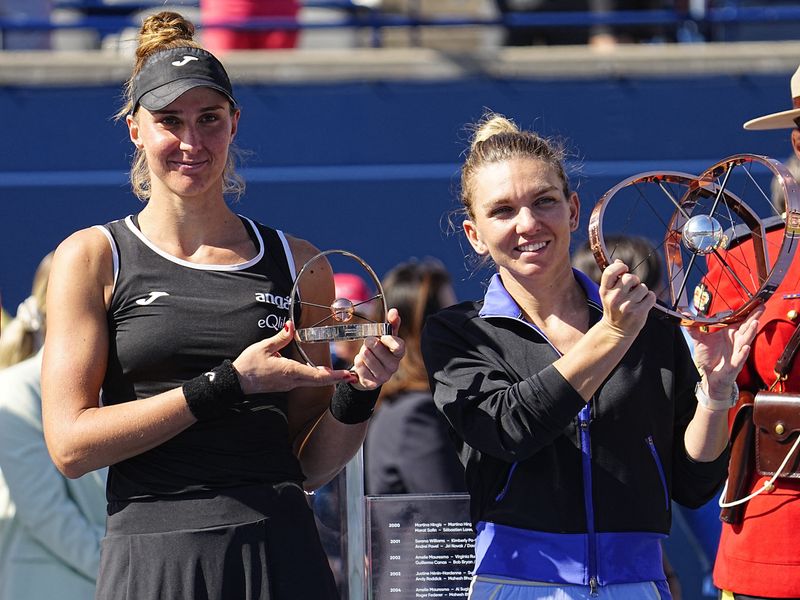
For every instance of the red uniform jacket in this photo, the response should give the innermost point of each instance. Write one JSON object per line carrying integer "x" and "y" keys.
{"x": 761, "y": 555}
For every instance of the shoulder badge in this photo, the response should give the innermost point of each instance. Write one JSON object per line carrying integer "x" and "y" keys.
{"x": 702, "y": 299}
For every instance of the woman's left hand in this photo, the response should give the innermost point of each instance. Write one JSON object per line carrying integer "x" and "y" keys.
{"x": 378, "y": 358}
{"x": 720, "y": 354}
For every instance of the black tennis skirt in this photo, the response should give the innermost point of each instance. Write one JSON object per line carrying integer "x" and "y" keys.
{"x": 252, "y": 543}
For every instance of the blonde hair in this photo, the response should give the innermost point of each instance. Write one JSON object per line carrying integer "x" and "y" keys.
{"x": 164, "y": 31}
{"x": 24, "y": 335}
{"x": 496, "y": 139}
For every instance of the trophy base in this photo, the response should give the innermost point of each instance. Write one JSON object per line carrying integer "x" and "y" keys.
{"x": 337, "y": 333}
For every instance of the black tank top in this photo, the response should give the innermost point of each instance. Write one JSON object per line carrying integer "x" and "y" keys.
{"x": 171, "y": 320}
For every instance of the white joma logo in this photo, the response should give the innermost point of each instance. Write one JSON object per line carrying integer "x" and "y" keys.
{"x": 150, "y": 298}
{"x": 186, "y": 59}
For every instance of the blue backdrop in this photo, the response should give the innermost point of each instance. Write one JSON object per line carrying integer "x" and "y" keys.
{"x": 371, "y": 167}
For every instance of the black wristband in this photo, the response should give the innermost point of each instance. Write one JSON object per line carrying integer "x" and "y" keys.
{"x": 213, "y": 392}
{"x": 351, "y": 406}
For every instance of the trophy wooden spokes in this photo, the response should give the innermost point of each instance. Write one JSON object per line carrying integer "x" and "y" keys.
{"x": 710, "y": 233}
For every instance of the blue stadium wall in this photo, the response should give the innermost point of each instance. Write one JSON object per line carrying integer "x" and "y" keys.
{"x": 371, "y": 167}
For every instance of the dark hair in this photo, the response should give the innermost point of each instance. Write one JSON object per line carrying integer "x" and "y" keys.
{"x": 163, "y": 31}
{"x": 635, "y": 251}
{"x": 414, "y": 288}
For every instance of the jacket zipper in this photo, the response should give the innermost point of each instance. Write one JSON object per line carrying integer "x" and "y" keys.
{"x": 652, "y": 445}
{"x": 586, "y": 453}
{"x": 504, "y": 491}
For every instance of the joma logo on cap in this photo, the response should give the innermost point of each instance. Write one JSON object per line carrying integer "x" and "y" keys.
{"x": 186, "y": 59}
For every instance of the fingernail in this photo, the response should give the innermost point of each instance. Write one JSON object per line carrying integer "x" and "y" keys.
{"x": 286, "y": 327}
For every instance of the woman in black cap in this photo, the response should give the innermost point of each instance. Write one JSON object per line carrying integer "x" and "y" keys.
{"x": 167, "y": 359}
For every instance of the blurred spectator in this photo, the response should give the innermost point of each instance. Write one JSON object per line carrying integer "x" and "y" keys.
{"x": 635, "y": 251}
{"x": 25, "y": 39}
{"x": 50, "y": 526}
{"x": 22, "y": 337}
{"x": 600, "y": 35}
{"x": 220, "y": 39}
{"x": 408, "y": 449}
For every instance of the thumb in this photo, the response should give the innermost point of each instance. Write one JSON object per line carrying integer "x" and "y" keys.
{"x": 393, "y": 318}
{"x": 280, "y": 339}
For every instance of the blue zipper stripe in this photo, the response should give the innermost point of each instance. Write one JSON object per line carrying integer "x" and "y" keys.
{"x": 586, "y": 458}
{"x": 504, "y": 491}
{"x": 652, "y": 445}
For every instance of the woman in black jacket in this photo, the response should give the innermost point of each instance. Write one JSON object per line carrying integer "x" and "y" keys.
{"x": 579, "y": 412}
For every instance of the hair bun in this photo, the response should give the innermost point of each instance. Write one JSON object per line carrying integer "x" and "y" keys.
{"x": 492, "y": 124}
{"x": 163, "y": 30}
{"x": 167, "y": 23}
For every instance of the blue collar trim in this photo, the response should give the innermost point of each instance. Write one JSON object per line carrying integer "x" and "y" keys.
{"x": 498, "y": 302}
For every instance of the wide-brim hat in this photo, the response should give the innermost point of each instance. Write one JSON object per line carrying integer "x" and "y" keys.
{"x": 781, "y": 120}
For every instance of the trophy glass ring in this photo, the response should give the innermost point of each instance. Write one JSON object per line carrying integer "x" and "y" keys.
{"x": 710, "y": 234}
{"x": 343, "y": 319}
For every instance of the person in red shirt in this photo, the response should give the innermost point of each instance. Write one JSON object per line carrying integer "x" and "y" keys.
{"x": 758, "y": 554}
{"x": 222, "y": 39}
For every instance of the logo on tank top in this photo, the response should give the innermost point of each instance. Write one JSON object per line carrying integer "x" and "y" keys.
{"x": 267, "y": 298}
{"x": 273, "y": 321}
{"x": 150, "y": 298}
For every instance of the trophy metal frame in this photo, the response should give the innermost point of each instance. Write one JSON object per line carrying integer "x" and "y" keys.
{"x": 340, "y": 311}
{"x": 695, "y": 230}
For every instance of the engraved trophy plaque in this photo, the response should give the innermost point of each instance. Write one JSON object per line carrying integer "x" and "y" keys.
{"x": 343, "y": 319}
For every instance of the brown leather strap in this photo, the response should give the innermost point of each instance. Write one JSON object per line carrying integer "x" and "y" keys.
{"x": 784, "y": 363}
{"x": 742, "y": 462}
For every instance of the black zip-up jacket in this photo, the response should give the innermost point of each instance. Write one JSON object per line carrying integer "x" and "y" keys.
{"x": 518, "y": 423}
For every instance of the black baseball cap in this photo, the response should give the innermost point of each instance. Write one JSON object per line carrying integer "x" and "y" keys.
{"x": 167, "y": 74}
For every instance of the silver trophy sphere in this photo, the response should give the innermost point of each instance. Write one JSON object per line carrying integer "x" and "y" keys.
{"x": 703, "y": 234}
{"x": 342, "y": 320}
{"x": 343, "y": 309}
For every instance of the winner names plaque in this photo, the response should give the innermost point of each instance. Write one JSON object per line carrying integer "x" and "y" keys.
{"x": 419, "y": 546}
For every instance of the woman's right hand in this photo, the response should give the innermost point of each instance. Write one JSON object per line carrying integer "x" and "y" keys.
{"x": 626, "y": 300}
{"x": 262, "y": 369}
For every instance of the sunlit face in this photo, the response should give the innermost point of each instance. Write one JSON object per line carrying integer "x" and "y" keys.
{"x": 186, "y": 143}
{"x": 522, "y": 219}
